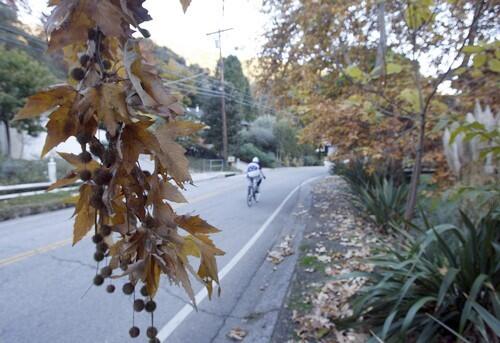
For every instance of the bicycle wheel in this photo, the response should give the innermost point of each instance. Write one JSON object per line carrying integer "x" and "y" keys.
{"x": 250, "y": 196}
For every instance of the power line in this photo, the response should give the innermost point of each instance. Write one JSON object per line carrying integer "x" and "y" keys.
{"x": 184, "y": 79}
{"x": 215, "y": 94}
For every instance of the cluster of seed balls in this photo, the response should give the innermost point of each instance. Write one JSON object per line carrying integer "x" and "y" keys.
{"x": 101, "y": 178}
{"x": 147, "y": 304}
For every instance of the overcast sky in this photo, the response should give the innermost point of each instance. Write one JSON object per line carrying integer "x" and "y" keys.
{"x": 186, "y": 33}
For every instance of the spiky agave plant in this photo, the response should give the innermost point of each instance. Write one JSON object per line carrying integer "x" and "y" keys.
{"x": 443, "y": 283}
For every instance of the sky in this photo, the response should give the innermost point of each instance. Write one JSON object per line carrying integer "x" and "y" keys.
{"x": 186, "y": 33}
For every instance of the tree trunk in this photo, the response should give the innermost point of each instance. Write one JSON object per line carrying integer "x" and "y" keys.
{"x": 417, "y": 167}
{"x": 7, "y": 135}
{"x": 382, "y": 45}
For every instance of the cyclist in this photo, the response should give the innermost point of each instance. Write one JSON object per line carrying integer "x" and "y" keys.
{"x": 255, "y": 174}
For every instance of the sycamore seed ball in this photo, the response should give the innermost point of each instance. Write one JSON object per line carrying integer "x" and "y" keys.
{"x": 106, "y": 271}
{"x": 138, "y": 305}
{"x": 78, "y": 74}
{"x": 98, "y": 280}
{"x": 152, "y": 332}
{"x": 128, "y": 288}
{"x": 134, "y": 332}
{"x": 98, "y": 256}
{"x": 150, "y": 306}
{"x": 85, "y": 157}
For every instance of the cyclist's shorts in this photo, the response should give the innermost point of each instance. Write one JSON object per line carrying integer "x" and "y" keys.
{"x": 253, "y": 173}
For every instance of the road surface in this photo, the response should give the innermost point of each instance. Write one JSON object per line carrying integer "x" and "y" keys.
{"x": 44, "y": 282}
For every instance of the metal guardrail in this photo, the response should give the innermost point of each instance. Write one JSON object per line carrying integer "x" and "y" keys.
{"x": 16, "y": 191}
{"x": 24, "y": 187}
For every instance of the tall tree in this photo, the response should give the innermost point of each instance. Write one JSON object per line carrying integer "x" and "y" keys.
{"x": 238, "y": 84}
{"x": 365, "y": 90}
{"x": 20, "y": 77}
{"x": 239, "y": 104}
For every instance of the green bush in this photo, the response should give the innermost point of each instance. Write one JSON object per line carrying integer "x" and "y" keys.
{"x": 377, "y": 193}
{"x": 249, "y": 151}
{"x": 384, "y": 201}
{"x": 16, "y": 171}
{"x": 312, "y": 160}
{"x": 442, "y": 284}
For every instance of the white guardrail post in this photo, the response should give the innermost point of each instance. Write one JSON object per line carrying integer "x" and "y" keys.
{"x": 52, "y": 169}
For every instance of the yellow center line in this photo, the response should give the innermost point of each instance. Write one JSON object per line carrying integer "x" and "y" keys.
{"x": 37, "y": 251}
{"x": 41, "y": 250}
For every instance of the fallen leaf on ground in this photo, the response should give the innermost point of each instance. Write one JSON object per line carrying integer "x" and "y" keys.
{"x": 237, "y": 334}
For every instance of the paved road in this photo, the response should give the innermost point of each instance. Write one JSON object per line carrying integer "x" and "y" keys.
{"x": 44, "y": 282}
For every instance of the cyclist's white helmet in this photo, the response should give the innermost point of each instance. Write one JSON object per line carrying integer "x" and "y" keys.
{"x": 255, "y": 160}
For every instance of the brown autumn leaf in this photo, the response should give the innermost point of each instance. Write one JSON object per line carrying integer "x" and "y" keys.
{"x": 109, "y": 18}
{"x": 178, "y": 128}
{"x": 85, "y": 214}
{"x": 195, "y": 225}
{"x": 208, "y": 267}
{"x": 75, "y": 161}
{"x": 48, "y": 100}
{"x": 134, "y": 10}
{"x": 146, "y": 81}
{"x": 172, "y": 156}
{"x": 68, "y": 24}
{"x": 137, "y": 139}
{"x": 69, "y": 179}
{"x": 63, "y": 123}
{"x": 185, "y": 4}
{"x": 108, "y": 102}
{"x": 152, "y": 275}
{"x": 57, "y": 101}
{"x": 163, "y": 190}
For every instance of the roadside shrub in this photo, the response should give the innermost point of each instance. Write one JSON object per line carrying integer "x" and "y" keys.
{"x": 384, "y": 201}
{"x": 249, "y": 151}
{"x": 312, "y": 160}
{"x": 199, "y": 151}
{"x": 17, "y": 171}
{"x": 436, "y": 287}
{"x": 377, "y": 193}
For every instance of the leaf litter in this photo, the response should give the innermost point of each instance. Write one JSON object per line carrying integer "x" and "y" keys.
{"x": 337, "y": 241}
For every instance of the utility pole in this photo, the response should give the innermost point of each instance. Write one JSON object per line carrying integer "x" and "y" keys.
{"x": 223, "y": 95}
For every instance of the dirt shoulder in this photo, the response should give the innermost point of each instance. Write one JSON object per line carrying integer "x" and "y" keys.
{"x": 334, "y": 241}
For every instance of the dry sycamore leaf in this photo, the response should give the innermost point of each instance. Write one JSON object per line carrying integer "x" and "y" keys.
{"x": 85, "y": 214}
{"x": 207, "y": 270}
{"x": 152, "y": 275}
{"x": 137, "y": 139}
{"x": 172, "y": 157}
{"x": 69, "y": 179}
{"x": 163, "y": 190}
{"x": 185, "y": 4}
{"x": 109, "y": 18}
{"x": 195, "y": 225}
{"x": 145, "y": 80}
{"x": 171, "y": 193}
{"x": 178, "y": 128}
{"x": 67, "y": 25}
{"x": 237, "y": 334}
{"x": 108, "y": 102}
{"x": 135, "y": 11}
{"x": 63, "y": 123}
{"x": 46, "y": 101}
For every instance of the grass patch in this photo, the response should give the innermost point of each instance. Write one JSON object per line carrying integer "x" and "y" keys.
{"x": 298, "y": 303}
{"x": 32, "y": 204}
{"x": 312, "y": 262}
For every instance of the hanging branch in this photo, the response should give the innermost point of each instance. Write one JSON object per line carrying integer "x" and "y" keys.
{"x": 111, "y": 86}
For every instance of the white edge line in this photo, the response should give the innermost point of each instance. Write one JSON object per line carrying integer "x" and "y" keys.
{"x": 173, "y": 323}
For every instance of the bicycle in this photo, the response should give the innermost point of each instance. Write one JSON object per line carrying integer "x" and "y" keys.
{"x": 252, "y": 192}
